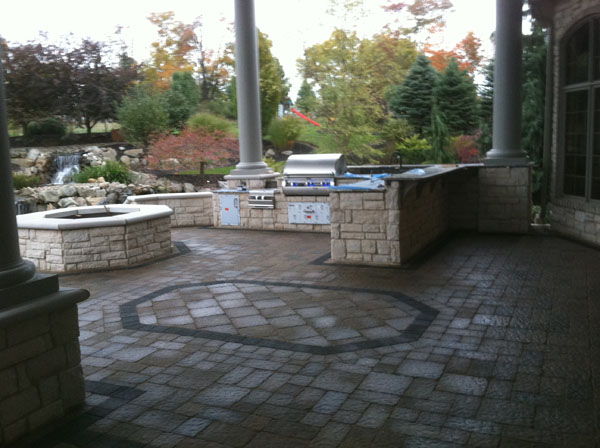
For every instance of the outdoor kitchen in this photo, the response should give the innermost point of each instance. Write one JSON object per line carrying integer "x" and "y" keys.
{"x": 376, "y": 218}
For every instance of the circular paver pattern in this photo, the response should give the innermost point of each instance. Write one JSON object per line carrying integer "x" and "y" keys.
{"x": 288, "y": 316}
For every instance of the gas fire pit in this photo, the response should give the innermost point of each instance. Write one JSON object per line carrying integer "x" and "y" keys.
{"x": 94, "y": 238}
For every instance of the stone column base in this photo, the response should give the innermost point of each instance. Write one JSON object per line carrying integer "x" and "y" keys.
{"x": 504, "y": 199}
{"x": 41, "y": 379}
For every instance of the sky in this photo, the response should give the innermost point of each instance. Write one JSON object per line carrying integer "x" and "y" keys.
{"x": 292, "y": 25}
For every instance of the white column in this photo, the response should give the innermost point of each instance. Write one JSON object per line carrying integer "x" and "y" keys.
{"x": 506, "y": 147}
{"x": 248, "y": 92}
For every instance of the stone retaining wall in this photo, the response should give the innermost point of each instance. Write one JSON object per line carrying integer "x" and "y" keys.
{"x": 189, "y": 209}
{"x": 40, "y": 374}
{"x": 78, "y": 250}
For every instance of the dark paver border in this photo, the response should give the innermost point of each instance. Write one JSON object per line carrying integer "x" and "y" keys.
{"x": 130, "y": 320}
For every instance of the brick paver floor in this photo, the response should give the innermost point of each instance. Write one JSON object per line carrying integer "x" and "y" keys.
{"x": 253, "y": 339}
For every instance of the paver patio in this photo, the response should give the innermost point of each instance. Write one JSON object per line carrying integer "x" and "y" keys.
{"x": 252, "y": 339}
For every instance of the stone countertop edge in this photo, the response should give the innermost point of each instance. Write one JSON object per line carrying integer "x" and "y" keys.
{"x": 31, "y": 308}
{"x": 151, "y": 197}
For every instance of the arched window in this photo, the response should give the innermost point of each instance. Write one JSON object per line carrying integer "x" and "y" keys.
{"x": 581, "y": 96}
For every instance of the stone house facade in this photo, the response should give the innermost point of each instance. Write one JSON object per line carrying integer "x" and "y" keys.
{"x": 573, "y": 117}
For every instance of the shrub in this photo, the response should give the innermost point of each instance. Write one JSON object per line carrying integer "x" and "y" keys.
{"x": 142, "y": 114}
{"x": 46, "y": 126}
{"x": 24, "y": 180}
{"x": 273, "y": 164}
{"x": 192, "y": 149}
{"x": 110, "y": 171}
{"x": 209, "y": 123}
{"x": 463, "y": 149}
{"x": 283, "y": 132}
{"x": 414, "y": 150}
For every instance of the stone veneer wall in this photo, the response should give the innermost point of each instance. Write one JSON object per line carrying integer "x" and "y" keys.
{"x": 504, "y": 199}
{"x": 269, "y": 219}
{"x": 41, "y": 378}
{"x": 96, "y": 248}
{"x": 571, "y": 216}
{"x": 387, "y": 227}
{"x": 189, "y": 209}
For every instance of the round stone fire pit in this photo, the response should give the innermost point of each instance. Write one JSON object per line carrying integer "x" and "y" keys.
{"x": 95, "y": 238}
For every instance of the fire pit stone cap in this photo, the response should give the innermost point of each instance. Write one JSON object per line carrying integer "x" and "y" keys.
{"x": 59, "y": 219}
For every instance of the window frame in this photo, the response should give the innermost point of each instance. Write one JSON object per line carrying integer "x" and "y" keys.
{"x": 590, "y": 86}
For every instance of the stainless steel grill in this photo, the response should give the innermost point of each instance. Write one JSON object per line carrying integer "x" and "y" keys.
{"x": 312, "y": 174}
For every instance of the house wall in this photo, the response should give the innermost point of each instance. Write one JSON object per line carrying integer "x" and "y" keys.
{"x": 570, "y": 216}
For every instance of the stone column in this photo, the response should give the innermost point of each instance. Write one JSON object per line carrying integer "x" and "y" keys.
{"x": 506, "y": 149}
{"x": 248, "y": 93}
{"x": 13, "y": 269}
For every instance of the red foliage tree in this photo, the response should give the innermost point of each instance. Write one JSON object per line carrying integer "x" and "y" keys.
{"x": 192, "y": 149}
{"x": 464, "y": 149}
{"x": 466, "y": 53}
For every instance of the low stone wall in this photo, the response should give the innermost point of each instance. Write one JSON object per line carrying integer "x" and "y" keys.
{"x": 269, "y": 219}
{"x": 577, "y": 220}
{"x": 40, "y": 374}
{"x": 189, "y": 209}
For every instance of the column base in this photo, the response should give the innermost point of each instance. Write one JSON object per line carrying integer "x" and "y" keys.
{"x": 252, "y": 180}
{"x": 18, "y": 274}
{"x": 39, "y": 344}
{"x": 503, "y": 157}
{"x": 507, "y": 161}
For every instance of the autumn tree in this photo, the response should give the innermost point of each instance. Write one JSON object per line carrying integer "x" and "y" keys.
{"x": 351, "y": 76}
{"x": 348, "y": 109}
{"x": 455, "y": 96}
{"x": 170, "y": 52}
{"x": 423, "y": 15}
{"x": 466, "y": 53}
{"x": 413, "y": 99}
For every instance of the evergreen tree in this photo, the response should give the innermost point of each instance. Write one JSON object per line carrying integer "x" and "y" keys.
{"x": 486, "y": 110}
{"x": 413, "y": 99}
{"x": 440, "y": 139}
{"x": 306, "y": 99}
{"x": 182, "y": 99}
{"x": 456, "y": 97}
{"x": 534, "y": 85}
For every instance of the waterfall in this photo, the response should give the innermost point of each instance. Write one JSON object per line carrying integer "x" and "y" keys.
{"x": 65, "y": 166}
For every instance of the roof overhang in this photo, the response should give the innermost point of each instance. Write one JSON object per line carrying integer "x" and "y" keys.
{"x": 543, "y": 10}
